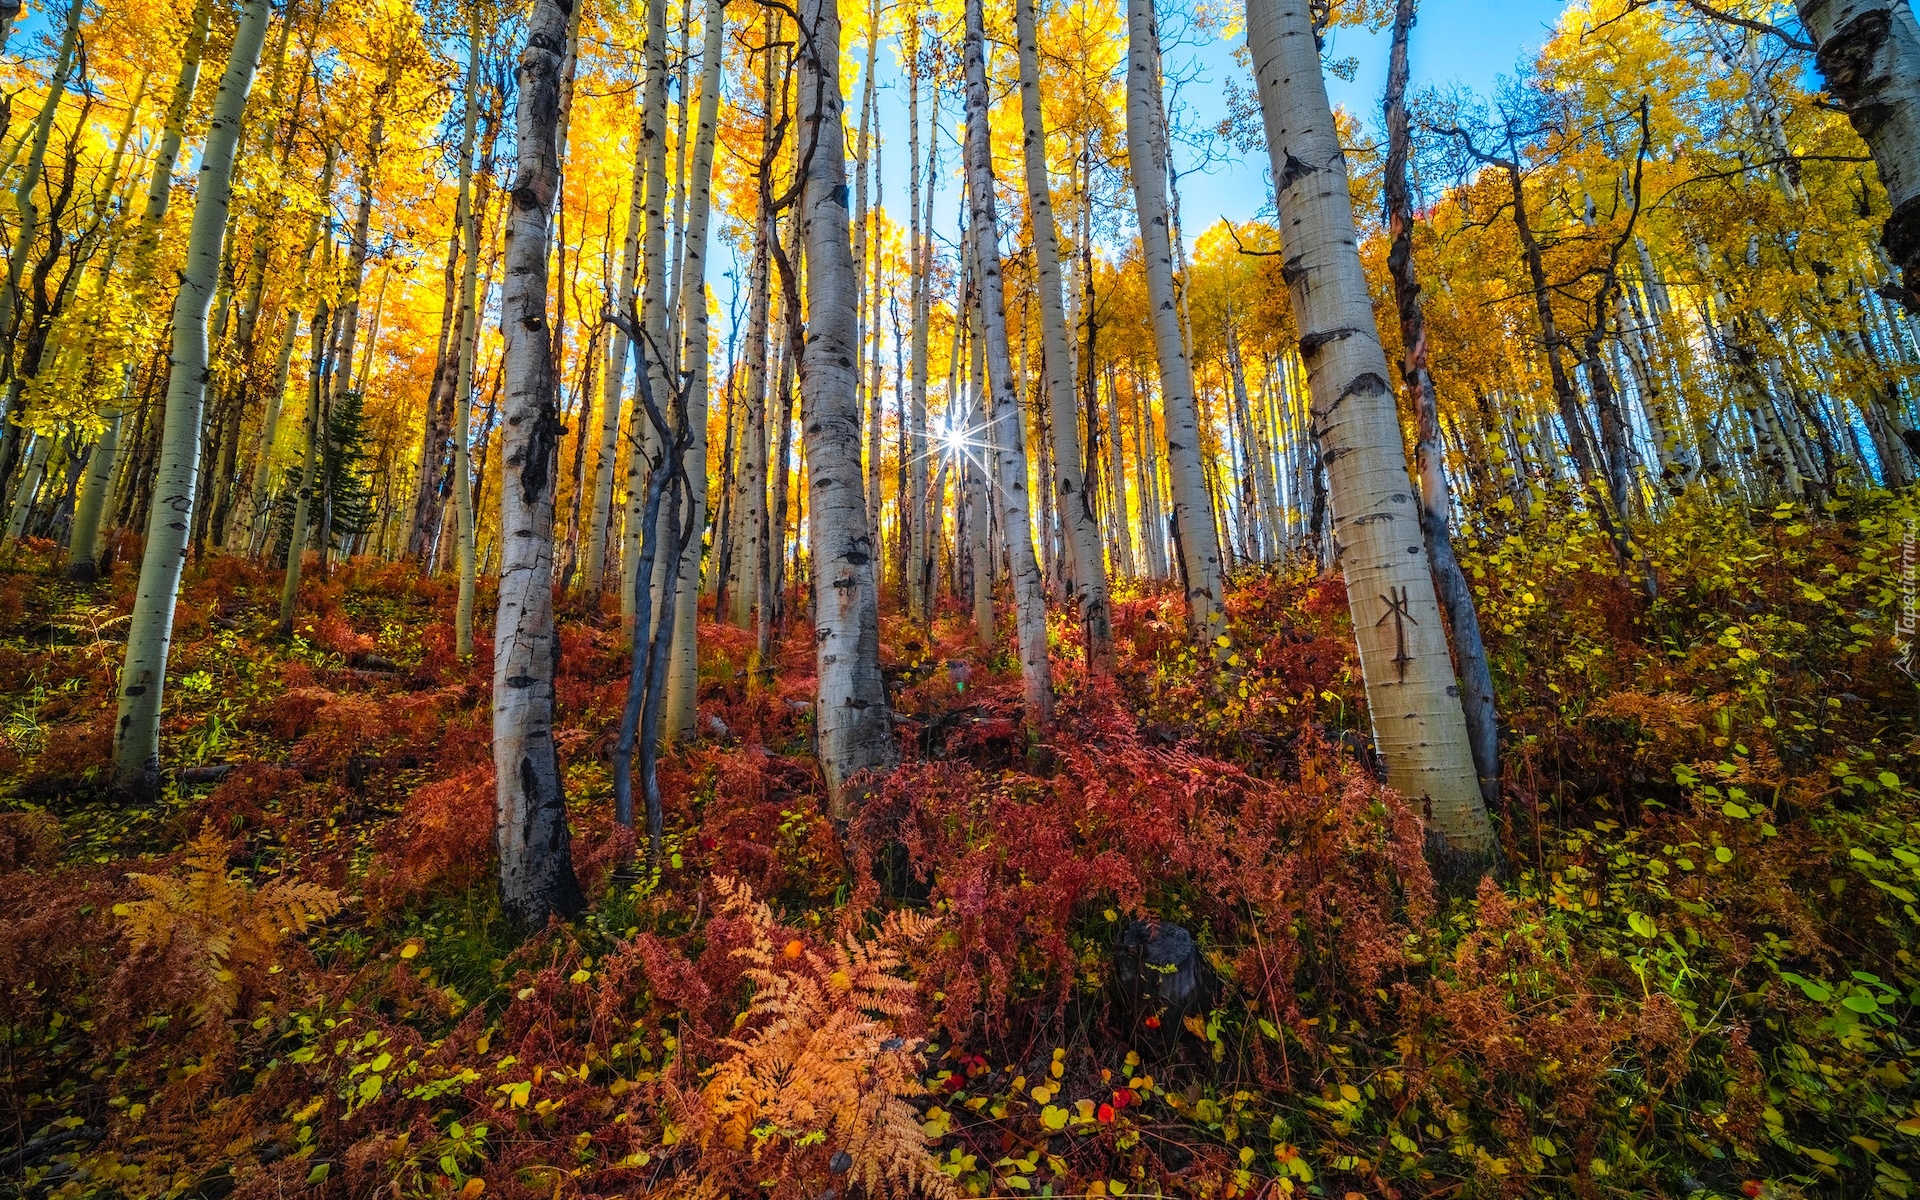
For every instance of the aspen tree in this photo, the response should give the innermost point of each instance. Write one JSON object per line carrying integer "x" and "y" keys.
{"x": 1146, "y": 160}
{"x": 924, "y": 533}
{"x": 1436, "y": 504}
{"x": 1076, "y": 505}
{"x": 852, "y": 722}
{"x": 643, "y": 441}
{"x": 25, "y": 234}
{"x": 750, "y": 563}
{"x": 1418, "y": 725}
{"x": 1001, "y": 387}
{"x": 600, "y": 524}
{"x": 30, "y": 171}
{"x": 467, "y": 331}
{"x": 683, "y": 668}
{"x": 259, "y": 504}
{"x": 530, "y": 826}
{"x": 136, "y": 755}
{"x": 1868, "y": 52}
{"x": 309, "y": 467}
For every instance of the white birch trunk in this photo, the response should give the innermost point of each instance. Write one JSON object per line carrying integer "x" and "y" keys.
{"x": 1029, "y": 598}
{"x": 1869, "y": 53}
{"x": 684, "y": 666}
{"x": 1089, "y": 583}
{"x": 1418, "y": 726}
{"x": 644, "y": 447}
{"x": 136, "y": 755}
{"x": 467, "y": 332}
{"x": 1192, "y": 507}
{"x": 530, "y": 829}
{"x": 607, "y": 466}
{"x": 853, "y": 726}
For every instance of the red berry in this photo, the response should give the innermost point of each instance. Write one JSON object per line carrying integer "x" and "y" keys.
{"x": 1153, "y": 1022}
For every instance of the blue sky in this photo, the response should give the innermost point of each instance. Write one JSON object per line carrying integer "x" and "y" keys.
{"x": 1468, "y": 42}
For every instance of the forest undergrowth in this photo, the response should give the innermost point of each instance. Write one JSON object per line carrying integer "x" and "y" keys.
{"x": 291, "y": 975}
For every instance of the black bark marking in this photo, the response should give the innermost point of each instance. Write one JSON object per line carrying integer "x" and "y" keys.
{"x": 1312, "y": 343}
{"x": 1292, "y": 170}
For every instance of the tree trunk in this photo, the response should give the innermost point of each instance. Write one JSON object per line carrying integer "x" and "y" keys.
{"x": 30, "y": 173}
{"x": 467, "y": 332}
{"x": 136, "y": 755}
{"x": 309, "y": 469}
{"x": 1192, "y": 509}
{"x": 644, "y": 442}
{"x": 530, "y": 828}
{"x": 1436, "y": 505}
{"x": 1076, "y": 505}
{"x": 1417, "y": 721}
{"x": 683, "y": 669}
{"x": 1003, "y": 390}
{"x": 854, "y": 727}
{"x": 600, "y": 524}
{"x": 1869, "y": 54}
{"x": 919, "y": 253}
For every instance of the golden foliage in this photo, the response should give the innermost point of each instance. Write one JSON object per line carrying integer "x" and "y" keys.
{"x": 824, "y": 1063}
{"x": 226, "y": 932}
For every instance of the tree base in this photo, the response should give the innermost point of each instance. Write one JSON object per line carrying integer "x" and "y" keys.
{"x": 1459, "y": 872}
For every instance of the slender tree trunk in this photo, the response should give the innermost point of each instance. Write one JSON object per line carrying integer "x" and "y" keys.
{"x": 136, "y": 757}
{"x": 852, "y": 721}
{"x": 600, "y": 524}
{"x": 644, "y": 449}
{"x": 1418, "y": 725}
{"x": 309, "y": 469}
{"x": 683, "y": 670}
{"x": 1029, "y": 601}
{"x": 467, "y": 334}
{"x": 1192, "y": 509}
{"x": 866, "y": 304}
{"x": 1436, "y": 504}
{"x": 1089, "y": 593}
{"x": 920, "y": 251}
{"x": 750, "y": 562}
{"x": 23, "y": 193}
{"x": 530, "y": 829}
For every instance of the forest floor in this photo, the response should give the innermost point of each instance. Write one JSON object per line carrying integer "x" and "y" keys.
{"x": 1697, "y": 978}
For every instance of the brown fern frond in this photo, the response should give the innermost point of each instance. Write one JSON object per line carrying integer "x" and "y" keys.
{"x": 821, "y": 1066}
{"x": 228, "y": 933}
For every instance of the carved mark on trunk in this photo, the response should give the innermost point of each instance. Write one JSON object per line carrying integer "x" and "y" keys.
{"x": 1396, "y": 602}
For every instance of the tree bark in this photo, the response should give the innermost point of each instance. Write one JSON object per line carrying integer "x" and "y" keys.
{"x": 1436, "y": 504}
{"x": 309, "y": 468}
{"x": 1418, "y": 726}
{"x": 1089, "y": 592}
{"x": 1192, "y": 508}
{"x": 136, "y": 756}
{"x": 1003, "y": 389}
{"x": 852, "y": 721}
{"x": 530, "y": 829}
{"x": 467, "y": 331}
{"x": 684, "y": 666}
{"x": 1869, "y": 53}
{"x": 600, "y": 524}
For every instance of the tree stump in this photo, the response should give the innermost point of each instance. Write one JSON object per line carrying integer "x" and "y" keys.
{"x": 1159, "y": 974}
